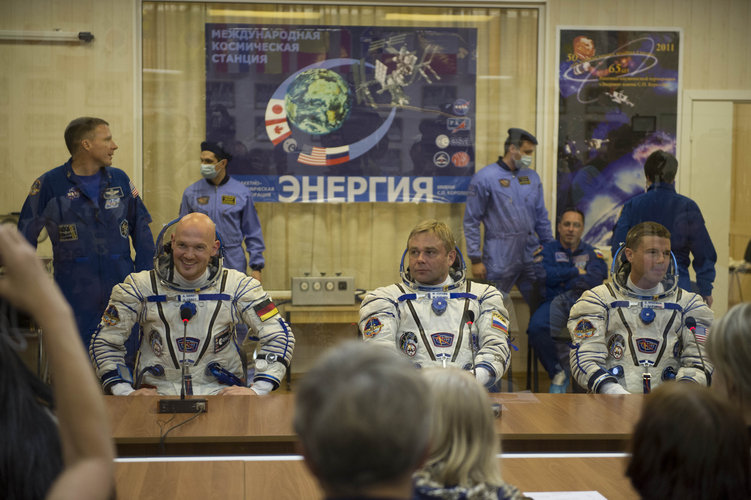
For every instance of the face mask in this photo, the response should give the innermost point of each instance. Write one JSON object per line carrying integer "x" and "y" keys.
{"x": 208, "y": 171}
{"x": 524, "y": 162}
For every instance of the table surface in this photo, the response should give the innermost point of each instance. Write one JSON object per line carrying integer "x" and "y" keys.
{"x": 290, "y": 479}
{"x": 263, "y": 424}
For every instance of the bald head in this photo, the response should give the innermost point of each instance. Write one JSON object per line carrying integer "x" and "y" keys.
{"x": 193, "y": 244}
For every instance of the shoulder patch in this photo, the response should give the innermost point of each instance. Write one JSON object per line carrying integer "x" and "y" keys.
{"x": 133, "y": 190}
{"x": 372, "y": 327}
{"x": 499, "y": 322}
{"x": 599, "y": 254}
{"x": 35, "y": 187}
{"x": 584, "y": 329}
{"x": 265, "y": 310}
{"x": 111, "y": 317}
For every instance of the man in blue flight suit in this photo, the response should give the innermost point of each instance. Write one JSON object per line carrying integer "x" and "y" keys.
{"x": 571, "y": 267}
{"x": 507, "y": 198}
{"x": 229, "y": 205}
{"x": 91, "y": 211}
{"x": 680, "y": 215}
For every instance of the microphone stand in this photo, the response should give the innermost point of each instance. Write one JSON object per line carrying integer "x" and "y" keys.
{"x": 182, "y": 405}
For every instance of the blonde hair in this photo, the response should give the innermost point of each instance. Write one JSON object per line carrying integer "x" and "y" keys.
{"x": 463, "y": 442}
{"x": 440, "y": 229}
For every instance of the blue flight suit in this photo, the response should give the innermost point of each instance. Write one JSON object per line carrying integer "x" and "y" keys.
{"x": 564, "y": 285}
{"x": 511, "y": 206}
{"x": 688, "y": 234}
{"x": 231, "y": 207}
{"x": 90, "y": 238}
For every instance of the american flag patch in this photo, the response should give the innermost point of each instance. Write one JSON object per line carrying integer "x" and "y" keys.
{"x": 133, "y": 190}
{"x": 265, "y": 310}
{"x": 701, "y": 334}
{"x": 499, "y": 323}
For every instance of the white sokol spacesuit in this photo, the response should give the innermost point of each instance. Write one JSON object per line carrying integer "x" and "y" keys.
{"x": 458, "y": 323}
{"x": 213, "y": 359}
{"x": 638, "y": 341}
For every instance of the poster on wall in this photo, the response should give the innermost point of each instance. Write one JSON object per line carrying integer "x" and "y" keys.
{"x": 344, "y": 113}
{"x": 618, "y": 102}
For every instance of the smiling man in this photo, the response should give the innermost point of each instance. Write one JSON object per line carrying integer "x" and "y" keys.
{"x": 92, "y": 213}
{"x": 435, "y": 316}
{"x": 639, "y": 329}
{"x": 189, "y": 276}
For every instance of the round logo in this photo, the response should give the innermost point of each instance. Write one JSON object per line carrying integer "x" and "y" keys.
{"x": 441, "y": 159}
{"x": 460, "y": 159}
{"x": 461, "y": 107}
{"x": 442, "y": 141}
{"x": 290, "y": 145}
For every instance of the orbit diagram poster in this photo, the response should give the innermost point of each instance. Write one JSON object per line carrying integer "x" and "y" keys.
{"x": 618, "y": 102}
{"x": 344, "y": 113}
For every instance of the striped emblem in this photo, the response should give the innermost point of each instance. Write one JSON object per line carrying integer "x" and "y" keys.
{"x": 265, "y": 310}
{"x": 499, "y": 323}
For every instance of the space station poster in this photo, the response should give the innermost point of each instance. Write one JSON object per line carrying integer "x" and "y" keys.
{"x": 344, "y": 113}
{"x": 618, "y": 102}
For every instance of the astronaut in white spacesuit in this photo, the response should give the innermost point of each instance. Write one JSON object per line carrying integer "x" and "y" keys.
{"x": 639, "y": 329}
{"x": 188, "y": 307}
{"x": 435, "y": 316}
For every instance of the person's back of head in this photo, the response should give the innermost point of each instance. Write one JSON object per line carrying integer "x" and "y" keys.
{"x": 661, "y": 166}
{"x": 30, "y": 452}
{"x": 463, "y": 442}
{"x": 362, "y": 417}
{"x": 729, "y": 349}
{"x": 689, "y": 444}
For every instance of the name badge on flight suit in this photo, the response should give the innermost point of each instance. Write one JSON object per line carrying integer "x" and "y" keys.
{"x": 561, "y": 257}
{"x": 524, "y": 180}
{"x": 228, "y": 199}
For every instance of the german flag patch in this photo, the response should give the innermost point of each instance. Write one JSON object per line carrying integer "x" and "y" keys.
{"x": 265, "y": 310}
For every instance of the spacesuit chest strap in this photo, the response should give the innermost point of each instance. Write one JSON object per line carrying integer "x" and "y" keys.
{"x": 423, "y": 337}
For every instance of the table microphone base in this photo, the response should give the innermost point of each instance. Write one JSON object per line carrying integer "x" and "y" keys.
{"x": 182, "y": 405}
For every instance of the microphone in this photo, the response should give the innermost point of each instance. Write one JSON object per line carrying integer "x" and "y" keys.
{"x": 187, "y": 311}
{"x": 690, "y": 323}
{"x": 156, "y": 370}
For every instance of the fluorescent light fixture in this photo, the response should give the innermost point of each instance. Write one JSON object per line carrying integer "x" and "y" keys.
{"x": 163, "y": 71}
{"x": 264, "y": 14}
{"x": 446, "y": 18}
{"x": 46, "y": 36}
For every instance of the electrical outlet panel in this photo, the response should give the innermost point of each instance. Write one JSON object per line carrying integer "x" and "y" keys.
{"x": 323, "y": 290}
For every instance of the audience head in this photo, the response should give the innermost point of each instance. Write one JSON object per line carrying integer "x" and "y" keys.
{"x": 689, "y": 444}
{"x": 729, "y": 349}
{"x": 463, "y": 441}
{"x": 363, "y": 419}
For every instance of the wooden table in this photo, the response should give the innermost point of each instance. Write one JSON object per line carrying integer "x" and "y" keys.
{"x": 257, "y": 425}
{"x": 289, "y": 479}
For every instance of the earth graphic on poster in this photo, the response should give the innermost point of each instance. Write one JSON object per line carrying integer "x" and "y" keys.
{"x": 318, "y": 101}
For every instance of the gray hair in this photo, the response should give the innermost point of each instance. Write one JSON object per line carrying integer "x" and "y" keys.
{"x": 362, "y": 417}
{"x": 729, "y": 349}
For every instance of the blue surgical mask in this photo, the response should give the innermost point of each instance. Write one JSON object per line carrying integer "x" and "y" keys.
{"x": 208, "y": 171}
{"x": 524, "y": 162}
